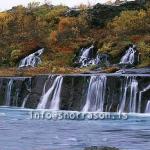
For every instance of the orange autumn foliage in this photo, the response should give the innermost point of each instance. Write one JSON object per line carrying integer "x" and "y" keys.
{"x": 66, "y": 24}
{"x": 53, "y": 37}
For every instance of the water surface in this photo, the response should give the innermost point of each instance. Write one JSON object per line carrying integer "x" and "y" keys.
{"x": 19, "y": 132}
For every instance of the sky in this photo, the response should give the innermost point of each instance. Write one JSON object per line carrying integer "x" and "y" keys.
{"x": 7, "y": 4}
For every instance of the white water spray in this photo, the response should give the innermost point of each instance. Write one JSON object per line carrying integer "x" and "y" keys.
{"x": 85, "y": 57}
{"x": 96, "y": 94}
{"x": 147, "y": 110}
{"x": 8, "y": 92}
{"x": 32, "y": 60}
{"x": 129, "y": 56}
{"x": 25, "y": 101}
{"x": 129, "y": 96}
{"x": 53, "y": 94}
{"x": 140, "y": 97}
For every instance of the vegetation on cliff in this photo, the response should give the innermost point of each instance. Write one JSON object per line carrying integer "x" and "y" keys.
{"x": 63, "y": 31}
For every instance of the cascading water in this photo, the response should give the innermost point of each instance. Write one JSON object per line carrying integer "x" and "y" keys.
{"x": 129, "y": 57}
{"x": 85, "y": 58}
{"x": 89, "y": 56}
{"x": 129, "y": 95}
{"x": 123, "y": 98}
{"x": 133, "y": 96}
{"x": 24, "y": 101}
{"x": 147, "y": 110}
{"x": 140, "y": 97}
{"x": 16, "y": 91}
{"x": 28, "y": 88}
{"x": 55, "y": 102}
{"x": 32, "y": 60}
{"x": 96, "y": 94}
{"x": 8, "y": 92}
{"x": 52, "y": 95}
{"x": 45, "y": 95}
{"x": 105, "y": 92}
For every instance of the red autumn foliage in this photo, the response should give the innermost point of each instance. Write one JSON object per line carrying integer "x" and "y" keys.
{"x": 64, "y": 49}
{"x": 136, "y": 38}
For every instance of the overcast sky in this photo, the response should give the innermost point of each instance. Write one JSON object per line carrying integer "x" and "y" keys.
{"x": 7, "y": 4}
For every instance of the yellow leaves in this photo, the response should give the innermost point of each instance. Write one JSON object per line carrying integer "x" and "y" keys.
{"x": 141, "y": 14}
{"x": 145, "y": 48}
{"x": 15, "y": 54}
{"x": 56, "y": 12}
{"x": 5, "y": 17}
{"x": 106, "y": 47}
{"x": 129, "y": 21}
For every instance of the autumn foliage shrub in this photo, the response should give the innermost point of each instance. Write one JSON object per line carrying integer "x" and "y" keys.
{"x": 67, "y": 28}
{"x": 131, "y": 22}
{"x": 23, "y": 30}
{"x": 53, "y": 37}
{"x": 5, "y": 19}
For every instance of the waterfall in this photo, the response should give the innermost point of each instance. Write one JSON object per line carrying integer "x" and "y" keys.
{"x": 129, "y": 95}
{"x": 25, "y": 100}
{"x": 88, "y": 56}
{"x": 44, "y": 97}
{"x": 96, "y": 94}
{"x": 32, "y": 60}
{"x": 147, "y": 110}
{"x": 123, "y": 98}
{"x": 28, "y": 88}
{"x": 8, "y": 92}
{"x": 133, "y": 96}
{"x": 140, "y": 97}
{"x": 56, "y": 96}
{"x": 52, "y": 95}
{"x": 88, "y": 93}
{"x": 85, "y": 58}
{"x": 129, "y": 57}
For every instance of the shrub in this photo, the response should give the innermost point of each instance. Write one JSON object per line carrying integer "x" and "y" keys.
{"x": 5, "y": 19}
{"x": 67, "y": 29}
{"x": 15, "y": 55}
{"x": 56, "y": 12}
{"x": 53, "y": 37}
{"x": 130, "y": 21}
{"x": 144, "y": 49}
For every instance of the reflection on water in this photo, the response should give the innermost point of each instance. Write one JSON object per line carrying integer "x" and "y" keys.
{"x": 19, "y": 132}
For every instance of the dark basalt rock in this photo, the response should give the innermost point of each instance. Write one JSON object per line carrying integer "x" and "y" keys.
{"x": 101, "y": 148}
{"x": 20, "y": 88}
{"x": 74, "y": 90}
{"x": 97, "y": 15}
{"x": 72, "y": 12}
{"x": 36, "y": 91}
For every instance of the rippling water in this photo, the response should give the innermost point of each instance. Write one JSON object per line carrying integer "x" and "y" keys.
{"x": 19, "y": 132}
